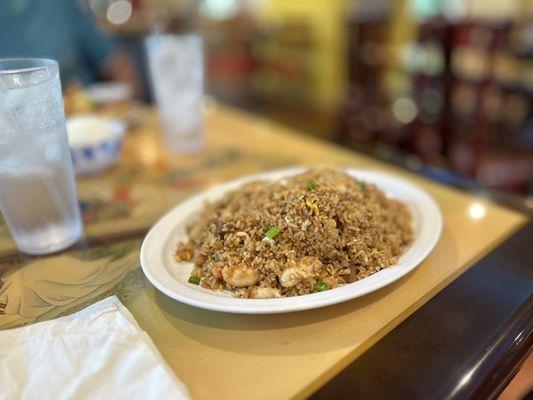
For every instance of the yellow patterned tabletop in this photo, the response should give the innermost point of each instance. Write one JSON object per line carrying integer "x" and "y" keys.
{"x": 222, "y": 355}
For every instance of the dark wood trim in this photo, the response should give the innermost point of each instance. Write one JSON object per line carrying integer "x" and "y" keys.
{"x": 466, "y": 342}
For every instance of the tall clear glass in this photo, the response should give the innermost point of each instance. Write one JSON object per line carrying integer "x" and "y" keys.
{"x": 177, "y": 74}
{"x": 37, "y": 187}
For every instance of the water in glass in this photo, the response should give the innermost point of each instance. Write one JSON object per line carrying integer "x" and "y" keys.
{"x": 37, "y": 187}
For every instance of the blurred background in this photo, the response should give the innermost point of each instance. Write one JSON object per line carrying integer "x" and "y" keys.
{"x": 445, "y": 83}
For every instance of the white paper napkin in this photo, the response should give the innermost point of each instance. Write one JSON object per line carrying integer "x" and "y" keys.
{"x": 97, "y": 353}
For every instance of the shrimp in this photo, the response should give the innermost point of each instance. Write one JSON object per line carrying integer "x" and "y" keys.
{"x": 240, "y": 275}
{"x": 307, "y": 267}
{"x": 264, "y": 293}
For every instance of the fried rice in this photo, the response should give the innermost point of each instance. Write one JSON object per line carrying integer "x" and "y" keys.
{"x": 307, "y": 233}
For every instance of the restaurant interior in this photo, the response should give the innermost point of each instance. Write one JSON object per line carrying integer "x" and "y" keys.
{"x": 120, "y": 119}
{"x": 448, "y": 83}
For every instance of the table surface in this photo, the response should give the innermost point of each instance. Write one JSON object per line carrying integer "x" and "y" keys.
{"x": 232, "y": 356}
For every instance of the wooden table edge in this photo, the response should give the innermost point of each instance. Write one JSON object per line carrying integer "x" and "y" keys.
{"x": 510, "y": 353}
{"x": 413, "y": 308}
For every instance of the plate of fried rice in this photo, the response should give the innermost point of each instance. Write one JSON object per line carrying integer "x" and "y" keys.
{"x": 291, "y": 240}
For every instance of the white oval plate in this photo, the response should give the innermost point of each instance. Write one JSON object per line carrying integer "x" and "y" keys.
{"x": 157, "y": 252}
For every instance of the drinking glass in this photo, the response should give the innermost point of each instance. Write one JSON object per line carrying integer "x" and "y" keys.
{"x": 176, "y": 70}
{"x": 37, "y": 187}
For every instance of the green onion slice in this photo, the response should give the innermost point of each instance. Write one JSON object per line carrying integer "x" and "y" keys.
{"x": 272, "y": 232}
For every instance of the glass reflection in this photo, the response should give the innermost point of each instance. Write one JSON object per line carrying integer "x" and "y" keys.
{"x": 477, "y": 211}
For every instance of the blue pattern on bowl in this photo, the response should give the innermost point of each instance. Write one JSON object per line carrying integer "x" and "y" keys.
{"x": 93, "y": 158}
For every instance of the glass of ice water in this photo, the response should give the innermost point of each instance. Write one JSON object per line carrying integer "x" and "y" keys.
{"x": 37, "y": 188}
{"x": 177, "y": 72}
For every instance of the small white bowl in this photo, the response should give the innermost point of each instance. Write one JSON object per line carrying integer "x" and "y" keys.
{"x": 95, "y": 143}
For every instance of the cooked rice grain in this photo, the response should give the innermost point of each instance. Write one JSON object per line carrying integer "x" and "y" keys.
{"x": 333, "y": 230}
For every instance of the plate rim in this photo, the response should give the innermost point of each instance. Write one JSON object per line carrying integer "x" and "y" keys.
{"x": 294, "y": 303}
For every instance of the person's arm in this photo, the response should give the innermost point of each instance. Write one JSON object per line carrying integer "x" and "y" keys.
{"x": 103, "y": 54}
{"x": 120, "y": 67}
